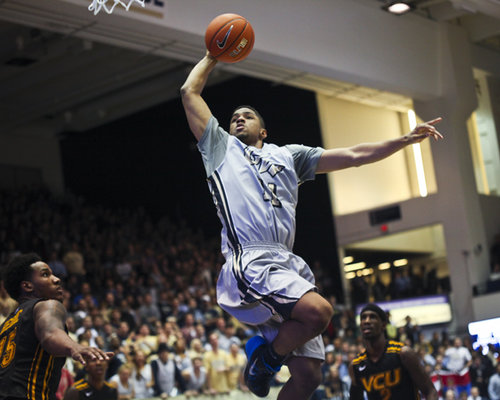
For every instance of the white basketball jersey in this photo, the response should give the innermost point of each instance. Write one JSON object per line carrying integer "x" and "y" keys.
{"x": 255, "y": 190}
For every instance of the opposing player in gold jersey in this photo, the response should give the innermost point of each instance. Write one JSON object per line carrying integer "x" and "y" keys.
{"x": 33, "y": 339}
{"x": 386, "y": 369}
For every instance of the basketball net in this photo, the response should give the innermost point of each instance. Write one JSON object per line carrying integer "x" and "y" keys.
{"x": 96, "y": 5}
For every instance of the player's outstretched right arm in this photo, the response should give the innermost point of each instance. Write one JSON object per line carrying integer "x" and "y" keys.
{"x": 197, "y": 111}
{"x": 50, "y": 317}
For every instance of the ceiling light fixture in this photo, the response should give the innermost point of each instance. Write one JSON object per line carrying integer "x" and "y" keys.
{"x": 354, "y": 267}
{"x": 348, "y": 259}
{"x": 398, "y": 7}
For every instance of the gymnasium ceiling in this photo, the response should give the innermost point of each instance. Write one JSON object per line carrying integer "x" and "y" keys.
{"x": 52, "y": 74}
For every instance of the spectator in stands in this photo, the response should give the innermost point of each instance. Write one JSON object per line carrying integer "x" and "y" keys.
{"x": 228, "y": 337}
{"x": 417, "y": 280}
{"x": 494, "y": 385}
{"x": 458, "y": 356}
{"x": 330, "y": 359}
{"x": 122, "y": 382}
{"x": 196, "y": 349}
{"x": 410, "y": 330}
{"x": 335, "y": 388}
{"x": 182, "y": 359}
{"x": 73, "y": 260}
{"x": 87, "y": 328}
{"x": 379, "y": 290}
{"x": 168, "y": 381}
{"x": 170, "y": 332}
{"x": 195, "y": 378}
{"x": 236, "y": 361}
{"x": 85, "y": 293}
{"x": 425, "y": 356}
{"x": 390, "y": 330}
{"x": 401, "y": 285}
{"x": 144, "y": 340}
{"x": 142, "y": 375}
{"x": 188, "y": 328}
{"x": 123, "y": 268}
{"x": 216, "y": 365}
{"x": 435, "y": 342}
{"x": 450, "y": 395}
{"x": 108, "y": 304}
{"x": 195, "y": 311}
{"x": 57, "y": 266}
{"x": 149, "y": 313}
{"x": 123, "y": 332}
{"x": 128, "y": 315}
{"x": 359, "y": 290}
{"x": 119, "y": 359}
{"x": 480, "y": 370}
{"x": 474, "y": 394}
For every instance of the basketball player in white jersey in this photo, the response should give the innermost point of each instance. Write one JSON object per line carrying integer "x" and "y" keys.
{"x": 254, "y": 187}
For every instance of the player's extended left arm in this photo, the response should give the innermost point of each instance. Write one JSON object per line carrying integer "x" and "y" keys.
{"x": 366, "y": 153}
{"x": 422, "y": 380}
{"x": 50, "y": 317}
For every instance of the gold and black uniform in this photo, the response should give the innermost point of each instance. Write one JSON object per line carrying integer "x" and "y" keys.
{"x": 387, "y": 378}
{"x": 27, "y": 371}
{"x": 88, "y": 392}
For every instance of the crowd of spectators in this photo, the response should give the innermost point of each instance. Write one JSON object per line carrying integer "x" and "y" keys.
{"x": 143, "y": 288}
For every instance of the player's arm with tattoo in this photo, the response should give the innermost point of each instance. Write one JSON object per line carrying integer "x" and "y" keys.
{"x": 50, "y": 317}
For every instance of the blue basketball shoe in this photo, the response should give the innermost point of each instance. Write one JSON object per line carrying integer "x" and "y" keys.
{"x": 258, "y": 374}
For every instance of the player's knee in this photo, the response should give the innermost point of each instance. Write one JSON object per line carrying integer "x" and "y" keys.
{"x": 321, "y": 316}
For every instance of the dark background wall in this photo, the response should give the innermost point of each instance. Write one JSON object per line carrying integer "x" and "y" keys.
{"x": 150, "y": 159}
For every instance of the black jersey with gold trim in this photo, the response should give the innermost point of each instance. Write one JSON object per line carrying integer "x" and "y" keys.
{"x": 88, "y": 392}
{"x": 387, "y": 378}
{"x": 27, "y": 371}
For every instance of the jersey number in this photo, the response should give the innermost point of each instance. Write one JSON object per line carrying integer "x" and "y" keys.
{"x": 270, "y": 193}
{"x": 7, "y": 350}
{"x": 385, "y": 393}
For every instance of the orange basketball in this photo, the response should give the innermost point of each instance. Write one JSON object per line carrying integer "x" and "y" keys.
{"x": 229, "y": 38}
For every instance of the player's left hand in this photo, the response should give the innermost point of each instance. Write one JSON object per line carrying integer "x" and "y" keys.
{"x": 425, "y": 130}
{"x": 84, "y": 354}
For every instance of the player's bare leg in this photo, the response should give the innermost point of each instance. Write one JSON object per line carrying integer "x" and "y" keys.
{"x": 305, "y": 378}
{"x": 309, "y": 318}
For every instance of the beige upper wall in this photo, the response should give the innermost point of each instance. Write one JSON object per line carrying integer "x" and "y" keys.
{"x": 344, "y": 124}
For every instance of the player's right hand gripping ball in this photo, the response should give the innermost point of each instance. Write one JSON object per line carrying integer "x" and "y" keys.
{"x": 229, "y": 38}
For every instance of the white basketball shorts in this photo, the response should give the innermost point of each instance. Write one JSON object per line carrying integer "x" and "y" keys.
{"x": 260, "y": 284}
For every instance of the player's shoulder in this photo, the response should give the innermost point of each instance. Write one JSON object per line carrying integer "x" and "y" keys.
{"x": 49, "y": 303}
{"x": 50, "y": 306}
{"x": 80, "y": 385}
{"x": 394, "y": 346}
{"x": 359, "y": 358}
{"x": 111, "y": 386}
